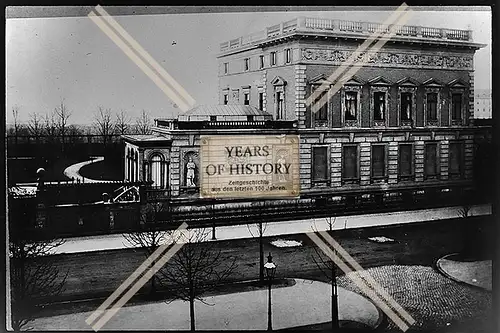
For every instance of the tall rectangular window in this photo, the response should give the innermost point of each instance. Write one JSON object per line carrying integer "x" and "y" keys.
{"x": 350, "y": 163}
{"x": 246, "y": 98}
{"x": 226, "y": 99}
{"x": 405, "y": 161}
{"x": 320, "y": 107}
{"x": 351, "y": 105}
{"x": 379, "y": 105}
{"x": 320, "y": 164}
{"x": 406, "y": 104}
{"x": 247, "y": 64}
{"x": 261, "y": 61}
{"x": 273, "y": 59}
{"x": 226, "y": 67}
{"x": 378, "y": 161}
{"x": 456, "y": 161}
{"x": 279, "y": 105}
{"x": 261, "y": 101}
{"x": 288, "y": 56}
{"x": 431, "y": 162}
{"x": 432, "y": 106}
{"x": 456, "y": 106}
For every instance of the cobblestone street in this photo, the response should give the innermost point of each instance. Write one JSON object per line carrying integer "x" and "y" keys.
{"x": 433, "y": 300}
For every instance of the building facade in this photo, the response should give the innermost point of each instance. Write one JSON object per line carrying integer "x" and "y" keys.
{"x": 401, "y": 118}
{"x": 482, "y": 100}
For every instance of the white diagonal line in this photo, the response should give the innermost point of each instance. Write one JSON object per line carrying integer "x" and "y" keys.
{"x": 141, "y": 282}
{"x": 139, "y": 62}
{"x": 385, "y": 36}
{"x": 132, "y": 278}
{"x": 371, "y": 282}
{"x": 350, "y": 61}
{"x": 139, "y": 49}
{"x": 359, "y": 282}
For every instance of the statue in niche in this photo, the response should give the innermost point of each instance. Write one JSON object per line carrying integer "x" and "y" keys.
{"x": 190, "y": 172}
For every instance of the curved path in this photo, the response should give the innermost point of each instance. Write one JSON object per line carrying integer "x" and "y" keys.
{"x": 474, "y": 273}
{"x": 305, "y": 303}
{"x": 73, "y": 171}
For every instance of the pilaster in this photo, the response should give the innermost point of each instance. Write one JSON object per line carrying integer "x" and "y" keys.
{"x": 175, "y": 167}
{"x": 336, "y": 164}
{"x": 392, "y": 162}
{"x": 444, "y": 155}
{"x": 419, "y": 161}
{"x": 364, "y": 163}
{"x": 300, "y": 95}
{"x": 469, "y": 158}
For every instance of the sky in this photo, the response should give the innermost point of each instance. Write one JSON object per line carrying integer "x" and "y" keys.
{"x": 52, "y": 59}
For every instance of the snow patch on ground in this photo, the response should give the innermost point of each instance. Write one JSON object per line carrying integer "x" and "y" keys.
{"x": 381, "y": 239}
{"x": 286, "y": 243}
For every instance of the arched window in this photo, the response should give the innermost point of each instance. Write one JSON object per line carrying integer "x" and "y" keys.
{"x": 157, "y": 171}
{"x": 128, "y": 164}
{"x": 136, "y": 166}
{"x": 132, "y": 164}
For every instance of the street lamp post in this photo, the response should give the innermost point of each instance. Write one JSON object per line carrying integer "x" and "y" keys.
{"x": 270, "y": 271}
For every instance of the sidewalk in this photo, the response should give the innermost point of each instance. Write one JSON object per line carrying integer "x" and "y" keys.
{"x": 117, "y": 241}
{"x": 305, "y": 303}
{"x": 474, "y": 273}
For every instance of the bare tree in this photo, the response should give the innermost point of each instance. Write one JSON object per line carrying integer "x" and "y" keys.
{"x": 15, "y": 122}
{"x": 33, "y": 272}
{"x": 35, "y": 126}
{"x": 62, "y": 114}
{"x": 49, "y": 126}
{"x": 151, "y": 233}
{"x": 257, "y": 230}
{"x": 143, "y": 123}
{"x": 329, "y": 270}
{"x": 197, "y": 268}
{"x": 122, "y": 123}
{"x": 103, "y": 123}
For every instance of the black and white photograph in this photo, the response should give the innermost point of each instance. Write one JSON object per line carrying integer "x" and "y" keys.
{"x": 260, "y": 168}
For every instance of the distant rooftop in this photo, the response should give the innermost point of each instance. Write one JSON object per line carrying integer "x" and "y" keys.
{"x": 348, "y": 29}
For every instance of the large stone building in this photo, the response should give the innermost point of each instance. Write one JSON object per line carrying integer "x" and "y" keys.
{"x": 403, "y": 121}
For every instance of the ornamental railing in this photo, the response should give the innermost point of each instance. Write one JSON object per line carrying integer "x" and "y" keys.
{"x": 308, "y": 24}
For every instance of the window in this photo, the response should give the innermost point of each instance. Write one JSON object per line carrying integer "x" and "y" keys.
{"x": 157, "y": 171}
{"x": 246, "y": 98}
{"x": 273, "y": 59}
{"x": 431, "y": 162}
{"x": 279, "y": 105}
{"x": 455, "y": 161}
{"x": 247, "y": 64}
{"x": 320, "y": 164}
{"x": 226, "y": 67}
{"x": 226, "y": 99}
{"x": 351, "y": 105}
{"x": 378, "y": 161}
{"x": 379, "y": 105}
{"x": 261, "y": 101}
{"x": 432, "y": 106}
{"x": 288, "y": 56}
{"x": 261, "y": 61}
{"x": 320, "y": 108}
{"x": 350, "y": 163}
{"x": 406, "y": 104}
{"x": 456, "y": 106}
{"x": 405, "y": 161}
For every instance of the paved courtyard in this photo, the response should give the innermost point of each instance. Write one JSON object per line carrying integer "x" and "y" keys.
{"x": 428, "y": 296}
